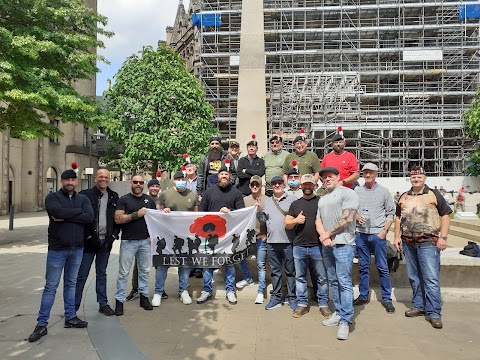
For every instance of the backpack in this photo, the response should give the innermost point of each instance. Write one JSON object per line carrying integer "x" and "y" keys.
{"x": 472, "y": 249}
{"x": 393, "y": 257}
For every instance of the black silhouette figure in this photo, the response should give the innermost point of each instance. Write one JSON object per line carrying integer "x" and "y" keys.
{"x": 161, "y": 244}
{"x": 194, "y": 245}
{"x": 212, "y": 242}
{"x": 235, "y": 242}
{"x": 250, "y": 237}
{"x": 178, "y": 245}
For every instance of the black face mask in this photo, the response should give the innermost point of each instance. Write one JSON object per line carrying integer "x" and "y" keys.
{"x": 338, "y": 147}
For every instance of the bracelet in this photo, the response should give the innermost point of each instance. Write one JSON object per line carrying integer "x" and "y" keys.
{"x": 134, "y": 215}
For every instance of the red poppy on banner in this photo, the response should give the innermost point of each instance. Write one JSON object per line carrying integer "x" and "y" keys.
{"x": 209, "y": 225}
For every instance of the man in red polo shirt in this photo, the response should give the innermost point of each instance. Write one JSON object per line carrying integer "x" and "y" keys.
{"x": 344, "y": 161}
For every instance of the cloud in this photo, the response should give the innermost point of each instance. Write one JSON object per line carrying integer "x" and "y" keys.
{"x": 135, "y": 24}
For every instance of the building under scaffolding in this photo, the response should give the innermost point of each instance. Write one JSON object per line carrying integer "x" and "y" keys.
{"x": 396, "y": 75}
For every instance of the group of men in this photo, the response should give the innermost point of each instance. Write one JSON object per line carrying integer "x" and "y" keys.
{"x": 297, "y": 231}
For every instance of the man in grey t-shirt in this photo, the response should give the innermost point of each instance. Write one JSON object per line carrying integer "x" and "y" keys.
{"x": 336, "y": 225}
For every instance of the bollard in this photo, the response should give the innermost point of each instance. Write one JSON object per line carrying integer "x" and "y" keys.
{"x": 10, "y": 216}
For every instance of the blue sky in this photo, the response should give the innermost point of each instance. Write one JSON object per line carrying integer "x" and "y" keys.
{"x": 135, "y": 24}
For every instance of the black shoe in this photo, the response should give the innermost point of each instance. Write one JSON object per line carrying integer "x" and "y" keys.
{"x": 389, "y": 307}
{"x": 359, "y": 301}
{"x": 106, "y": 310}
{"x": 133, "y": 295}
{"x": 198, "y": 274}
{"x": 75, "y": 323}
{"x": 37, "y": 333}
{"x": 164, "y": 295}
{"x": 118, "y": 308}
{"x": 145, "y": 303}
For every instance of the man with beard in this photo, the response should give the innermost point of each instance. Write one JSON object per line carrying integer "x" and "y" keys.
{"x": 68, "y": 213}
{"x": 307, "y": 161}
{"x": 131, "y": 209}
{"x": 99, "y": 237}
{"x": 274, "y": 160}
{"x": 210, "y": 165}
{"x": 421, "y": 225}
{"x": 249, "y": 166}
{"x": 344, "y": 161}
{"x": 306, "y": 248}
{"x": 222, "y": 197}
{"x": 336, "y": 225}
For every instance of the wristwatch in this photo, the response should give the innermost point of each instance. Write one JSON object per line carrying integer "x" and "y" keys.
{"x": 444, "y": 237}
{"x": 343, "y": 182}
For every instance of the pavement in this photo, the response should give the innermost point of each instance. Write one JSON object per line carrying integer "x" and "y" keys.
{"x": 214, "y": 330}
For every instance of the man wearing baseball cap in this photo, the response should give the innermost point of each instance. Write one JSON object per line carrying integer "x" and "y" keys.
{"x": 248, "y": 166}
{"x": 374, "y": 218}
{"x": 274, "y": 160}
{"x": 336, "y": 225}
{"x": 306, "y": 161}
{"x": 306, "y": 250}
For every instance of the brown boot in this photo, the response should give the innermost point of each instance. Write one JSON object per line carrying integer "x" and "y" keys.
{"x": 414, "y": 312}
{"x": 300, "y": 311}
{"x": 436, "y": 323}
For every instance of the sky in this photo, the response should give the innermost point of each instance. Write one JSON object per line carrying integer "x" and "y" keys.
{"x": 135, "y": 24}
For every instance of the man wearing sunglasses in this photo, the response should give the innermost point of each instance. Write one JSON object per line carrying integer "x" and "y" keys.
{"x": 131, "y": 209}
{"x": 274, "y": 161}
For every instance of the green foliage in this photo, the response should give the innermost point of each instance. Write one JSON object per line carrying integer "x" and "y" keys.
{"x": 45, "y": 46}
{"x": 472, "y": 123}
{"x": 157, "y": 111}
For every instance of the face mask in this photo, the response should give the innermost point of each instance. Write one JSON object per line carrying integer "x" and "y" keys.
{"x": 181, "y": 185}
{"x": 293, "y": 183}
{"x": 338, "y": 147}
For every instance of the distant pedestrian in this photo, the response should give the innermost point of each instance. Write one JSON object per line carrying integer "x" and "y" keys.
{"x": 68, "y": 212}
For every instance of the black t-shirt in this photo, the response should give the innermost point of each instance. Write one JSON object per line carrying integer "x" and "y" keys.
{"x": 305, "y": 234}
{"x": 217, "y": 197}
{"x": 136, "y": 229}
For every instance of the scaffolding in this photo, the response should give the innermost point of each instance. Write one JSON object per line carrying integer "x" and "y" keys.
{"x": 397, "y": 75}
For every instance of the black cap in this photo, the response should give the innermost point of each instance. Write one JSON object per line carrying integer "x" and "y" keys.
{"x": 300, "y": 138}
{"x": 223, "y": 168}
{"x": 252, "y": 142}
{"x": 337, "y": 137}
{"x": 179, "y": 175}
{"x": 276, "y": 138}
{"x": 417, "y": 170}
{"x": 329, "y": 169}
{"x": 215, "y": 138}
{"x": 277, "y": 178}
{"x": 153, "y": 182}
{"x": 292, "y": 171}
{"x": 234, "y": 143}
{"x": 69, "y": 174}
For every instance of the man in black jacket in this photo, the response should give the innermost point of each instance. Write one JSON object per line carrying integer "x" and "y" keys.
{"x": 249, "y": 166}
{"x": 210, "y": 164}
{"x": 99, "y": 237}
{"x": 68, "y": 212}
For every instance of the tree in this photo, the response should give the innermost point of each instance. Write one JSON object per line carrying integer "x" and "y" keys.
{"x": 45, "y": 46}
{"x": 472, "y": 124}
{"x": 157, "y": 111}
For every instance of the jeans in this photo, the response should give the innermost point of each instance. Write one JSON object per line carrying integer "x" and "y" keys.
{"x": 367, "y": 244}
{"x": 262, "y": 268}
{"x": 101, "y": 262}
{"x": 277, "y": 254}
{"x": 161, "y": 276}
{"x": 128, "y": 250}
{"x": 68, "y": 261}
{"x": 135, "y": 276}
{"x": 229, "y": 276}
{"x": 338, "y": 261}
{"x": 303, "y": 256}
{"x": 423, "y": 268}
{"x": 244, "y": 268}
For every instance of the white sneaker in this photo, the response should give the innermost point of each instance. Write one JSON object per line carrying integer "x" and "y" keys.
{"x": 343, "y": 331}
{"x": 232, "y": 299}
{"x": 157, "y": 300}
{"x": 241, "y": 284}
{"x": 185, "y": 297}
{"x": 203, "y": 297}
{"x": 260, "y": 299}
{"x": 333, "y": 321}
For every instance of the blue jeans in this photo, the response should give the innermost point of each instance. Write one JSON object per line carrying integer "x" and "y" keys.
{"x": 229, "y": 276}
{"x": 367, "y": 244}
{"x": 161, "y": 276}
{"x": 101, "y": 262}
{"x": 262, "y": 268}
{"x": 278, "y": 254}
{"x": 423, "y": 268}
{"x": 303, "y": 256}
{"x": 128, "y": 250}
{"x": 244, "y": 268}
{"x": 338, "y": 261}
{"x": 68, "y": 261}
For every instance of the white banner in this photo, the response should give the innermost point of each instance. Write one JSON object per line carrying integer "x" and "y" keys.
{"x": 201, "y": 239}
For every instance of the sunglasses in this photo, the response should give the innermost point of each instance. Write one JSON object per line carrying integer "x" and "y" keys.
{"x": 135, "y": 182}
{"x": 275, "y": 183}
{"x": 254, "y": 185}
{"x": 274, "y": 142}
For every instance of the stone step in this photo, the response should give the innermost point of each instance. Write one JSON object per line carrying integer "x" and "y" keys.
{"x": 465, "y": 233}
{"x": 466, "y": 224}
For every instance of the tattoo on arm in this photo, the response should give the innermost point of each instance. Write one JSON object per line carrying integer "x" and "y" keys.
{"x": 348, "y": 215}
